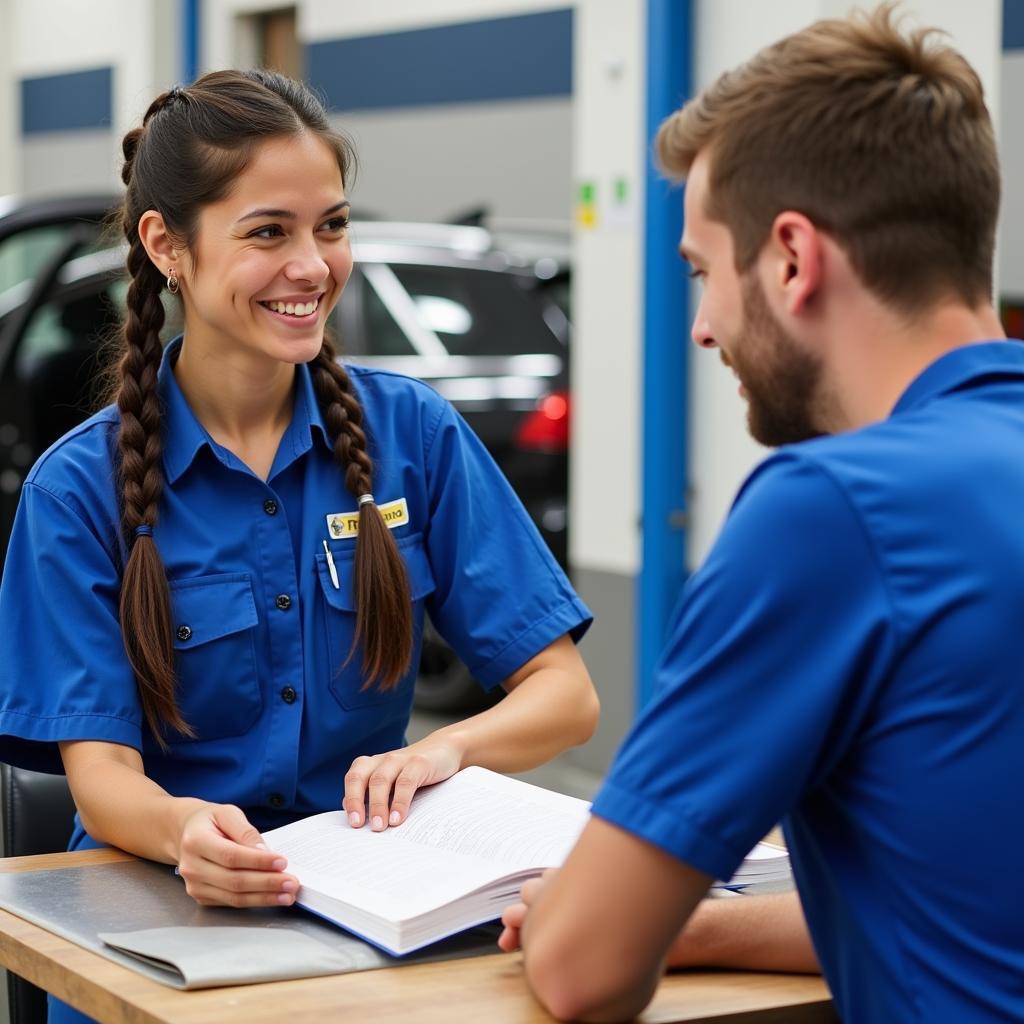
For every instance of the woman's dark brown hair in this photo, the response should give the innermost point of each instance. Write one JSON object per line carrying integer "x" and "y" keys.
{"x": 192, "y": 145}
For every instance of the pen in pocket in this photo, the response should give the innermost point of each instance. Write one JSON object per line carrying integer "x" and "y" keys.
{"x": 330, "y": 567}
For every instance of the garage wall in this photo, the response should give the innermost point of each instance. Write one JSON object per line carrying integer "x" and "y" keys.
{"x": 78, "y": 86}
{"x": 449, "y": 117}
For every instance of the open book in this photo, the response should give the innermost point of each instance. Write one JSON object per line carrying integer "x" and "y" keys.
{"x": 457, "y": 861}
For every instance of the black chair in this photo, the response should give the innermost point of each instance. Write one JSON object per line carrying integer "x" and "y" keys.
{"x": 38, "y": 816}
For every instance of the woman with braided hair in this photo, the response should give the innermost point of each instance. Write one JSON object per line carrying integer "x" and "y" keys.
{"x": 216, "y": 586}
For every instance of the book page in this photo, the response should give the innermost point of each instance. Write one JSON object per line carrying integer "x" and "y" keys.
{"x": 766, "y": 851}
{"x": 475, "y": 820}
{"x": 460, "y": 835}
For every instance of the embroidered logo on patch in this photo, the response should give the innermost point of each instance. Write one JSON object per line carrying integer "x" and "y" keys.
{"x": 341, "y": 525}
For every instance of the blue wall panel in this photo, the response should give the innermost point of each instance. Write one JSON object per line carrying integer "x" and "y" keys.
{"x": 1013, "y": 24}
{"x": 191, "y": 19}
{"x": 69, "y": 102}
{"x": 498, "y": 59}
{"x": 666, "y": 350}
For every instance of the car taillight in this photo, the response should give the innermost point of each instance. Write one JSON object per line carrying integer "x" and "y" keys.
{"x": 547, "y": 427}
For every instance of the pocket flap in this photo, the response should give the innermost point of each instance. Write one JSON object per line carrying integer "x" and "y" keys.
{"x": 208, "y": 607}
{"x": 417, "y": 565}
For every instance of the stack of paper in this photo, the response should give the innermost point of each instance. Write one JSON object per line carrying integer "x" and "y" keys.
{"x": 766, "y": 867}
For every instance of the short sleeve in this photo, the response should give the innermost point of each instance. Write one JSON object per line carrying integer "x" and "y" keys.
{"x": 501, "y": 596}
{"x": 65, "y": 675}
{"x": 775, "y": 651}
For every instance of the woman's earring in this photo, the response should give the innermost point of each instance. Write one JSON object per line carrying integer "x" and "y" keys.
{"x": 172, "y": 281}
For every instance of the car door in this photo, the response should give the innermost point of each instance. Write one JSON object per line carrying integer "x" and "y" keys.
{"x": 37, "y": 239}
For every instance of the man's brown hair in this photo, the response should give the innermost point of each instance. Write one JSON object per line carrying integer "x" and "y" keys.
{"x": 881, "y": 138}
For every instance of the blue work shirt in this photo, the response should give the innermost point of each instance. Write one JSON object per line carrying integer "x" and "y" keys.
{"x": 850, "y": 656}
{"x": 261, "y": 632}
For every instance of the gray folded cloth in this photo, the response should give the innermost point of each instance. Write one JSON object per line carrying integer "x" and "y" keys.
{"x": 211, "y": 956}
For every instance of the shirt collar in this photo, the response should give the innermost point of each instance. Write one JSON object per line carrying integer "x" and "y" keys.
{"x": 307, "y": 416}
{"x": 184, "y": 436}
{"x": 960, "y": 368}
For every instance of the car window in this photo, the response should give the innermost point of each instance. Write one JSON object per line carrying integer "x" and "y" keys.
{"x": 64, "y": 344}
{"x": 24, "y": 254}
{"x": 477, "y": 312}
{"x": 66, "y": 325}
{"x": 560, "y": 293}
{"x": 383, "y": 335}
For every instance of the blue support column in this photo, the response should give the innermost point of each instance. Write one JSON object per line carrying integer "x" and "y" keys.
{"x": 666, "y": 342}
{"x": 190, "y": 17}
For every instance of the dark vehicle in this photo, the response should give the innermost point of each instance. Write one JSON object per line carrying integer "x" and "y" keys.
{"x": 479, "y": 314}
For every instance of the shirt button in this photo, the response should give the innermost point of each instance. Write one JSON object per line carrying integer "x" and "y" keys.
{"x": 284, "y": 602}
{"x": 270, "y": 507}
{"x": 276, "y": 800}
{"x": 288, "y": 695}
{"x": 184, "y": 633}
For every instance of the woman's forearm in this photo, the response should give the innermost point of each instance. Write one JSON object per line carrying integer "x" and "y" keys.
{"x": 119, "y": 805}
{"x": 551, "y": 706}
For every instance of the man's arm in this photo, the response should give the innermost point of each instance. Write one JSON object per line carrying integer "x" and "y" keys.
{"x": 596, "y": 939}
{"x": 758, "y": 933}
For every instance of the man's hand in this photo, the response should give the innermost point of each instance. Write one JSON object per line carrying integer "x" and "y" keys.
{"x": 515, "y": 915}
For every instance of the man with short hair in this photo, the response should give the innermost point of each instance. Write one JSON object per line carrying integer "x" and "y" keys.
{"x": 848, "y": 657}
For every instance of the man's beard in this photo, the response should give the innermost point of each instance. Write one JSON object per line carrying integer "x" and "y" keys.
{"x": 781, "y": 379}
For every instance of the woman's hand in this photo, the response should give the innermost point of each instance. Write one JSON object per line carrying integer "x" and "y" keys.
{"x": 515, "y": 915}
{"x": 224, "y": 861}
{"x": 388, "y": 782}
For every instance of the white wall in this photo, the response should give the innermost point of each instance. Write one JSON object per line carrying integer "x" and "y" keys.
{"x": 1011, "y": 144}
{"x": 609, "y": 94}
{"x": 513, "y": 158}
{"x": 728, "y": 32}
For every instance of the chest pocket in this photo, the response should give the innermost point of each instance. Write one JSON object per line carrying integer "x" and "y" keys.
{"x": 340, "y": 621}
{"x": 213, "y": 622}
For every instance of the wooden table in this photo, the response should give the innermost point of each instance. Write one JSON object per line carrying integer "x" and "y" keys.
{"x": 486, "y": 988}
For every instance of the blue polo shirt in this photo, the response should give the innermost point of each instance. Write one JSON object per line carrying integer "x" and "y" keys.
{"x": 261, "y": 632}
{"x": 849, "y": 659}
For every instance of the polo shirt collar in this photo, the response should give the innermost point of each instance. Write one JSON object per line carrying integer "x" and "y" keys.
{"x": 184, "y": 436}
{"x": 962, "y": 367}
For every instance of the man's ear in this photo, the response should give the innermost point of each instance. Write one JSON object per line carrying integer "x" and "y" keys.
{"x": 795, "y": 256}
{"x": 158, "y": 243}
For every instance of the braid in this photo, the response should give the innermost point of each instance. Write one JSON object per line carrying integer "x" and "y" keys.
{"x": 137, "y": 397}
{"x": 344, "y": 417}
{"x": 130, "y": 146}
{"x": 383, "y": 602}
{"x": 145, "y": 599}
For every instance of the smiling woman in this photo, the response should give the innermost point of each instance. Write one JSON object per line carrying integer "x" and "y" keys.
{"x": 240, "y": 618}
{"x": 258, "y": 285}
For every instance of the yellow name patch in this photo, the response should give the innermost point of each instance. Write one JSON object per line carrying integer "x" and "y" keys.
{"x": 341, "y": 525}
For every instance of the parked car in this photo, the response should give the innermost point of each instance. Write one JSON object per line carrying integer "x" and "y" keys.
{"x": 478, "y": 313}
